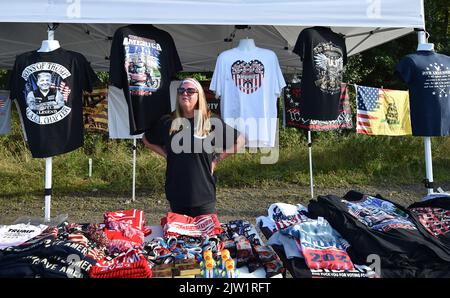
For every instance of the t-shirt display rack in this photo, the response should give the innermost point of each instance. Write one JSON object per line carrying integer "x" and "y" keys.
{"x": 41, "y": 146}
{"x": 49, "y": 160}
{"x": 422, "y": 43}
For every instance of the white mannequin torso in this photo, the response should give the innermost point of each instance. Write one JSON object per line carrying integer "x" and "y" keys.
{"x": 246, "y": 44}
{"x": 425, "y": 47}
{"x": 49, "y": 45}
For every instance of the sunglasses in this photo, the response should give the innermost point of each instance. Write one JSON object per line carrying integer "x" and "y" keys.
{"x": 189, "y": 91}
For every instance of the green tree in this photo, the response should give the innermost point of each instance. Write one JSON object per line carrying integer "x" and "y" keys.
{"x": 375, "y": 67}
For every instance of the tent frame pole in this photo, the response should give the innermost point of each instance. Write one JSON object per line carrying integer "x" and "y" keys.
{"x": 311, "y": 180}
{"x": 48, "y": 160}
{"x": 428, "y": 165}
{"x": 48, "y": 188}
{"x": 133, "y": 193}
{"x": 427, "y": 140}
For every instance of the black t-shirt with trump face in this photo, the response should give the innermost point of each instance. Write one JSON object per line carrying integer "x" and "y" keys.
{"x": 189, "y": 181}
{"x": 48, "y": 87}
{"x": 324, "y": 55}
{"x": 143, "y": 61}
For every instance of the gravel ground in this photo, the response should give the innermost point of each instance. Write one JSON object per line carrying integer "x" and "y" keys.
{"x": 232, "y": 203}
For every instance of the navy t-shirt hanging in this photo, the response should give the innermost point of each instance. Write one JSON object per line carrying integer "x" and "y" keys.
{"x": 142, "y": 62}
{"x": 48, "y": 88}
{"x": 427, "y": 75}
{"x": 324, "y": 54}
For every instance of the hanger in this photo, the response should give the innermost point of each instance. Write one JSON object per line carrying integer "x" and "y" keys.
{"x": 296, "y": 78}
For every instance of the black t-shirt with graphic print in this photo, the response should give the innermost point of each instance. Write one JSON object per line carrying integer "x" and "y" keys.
{"x": 48, "y": 87}
{"x": 324, "y": 54}
{"x": 189, "y": 182}
{"x": 375, "y": 226}
{"x": 142, "y": 62}
{"x": 433, "y": 216}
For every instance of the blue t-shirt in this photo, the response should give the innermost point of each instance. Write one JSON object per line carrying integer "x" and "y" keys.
{"x": 427, "y": 75}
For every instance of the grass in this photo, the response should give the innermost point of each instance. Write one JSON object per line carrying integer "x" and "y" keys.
{"x": 339, "y": 160}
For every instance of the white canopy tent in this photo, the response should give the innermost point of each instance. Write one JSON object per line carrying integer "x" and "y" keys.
{"x": 199, "y": 27}
{"x": 202, "y": 29}
{"x": 197, "y": 45}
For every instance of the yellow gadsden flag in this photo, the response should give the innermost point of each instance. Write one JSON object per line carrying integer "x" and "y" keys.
{"x": 382, "y": 112}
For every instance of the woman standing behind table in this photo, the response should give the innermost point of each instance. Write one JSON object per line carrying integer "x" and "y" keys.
{"x": 192, "y": 147}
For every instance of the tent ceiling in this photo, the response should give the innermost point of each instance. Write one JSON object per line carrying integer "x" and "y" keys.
{"x": 198, "y": 45}
{"x": 335, "y": 13}
{"x": 199, "y": 27}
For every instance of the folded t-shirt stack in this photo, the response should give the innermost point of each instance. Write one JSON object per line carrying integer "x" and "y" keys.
{"x": 375, "y": 226}
{"x": 175, "y": 224}
{"x": 321, "y": 245}
{"x": 244, "y": 243}
{"x": 131, "y": 264}
{"x": 55, "y": 253}
{"x": 310, "y": 246}
{"x": 13, "y": 235}
{"x": 282, "y": 215}
{"x": 125, "y": 230}
{"x": 433, "y": 216}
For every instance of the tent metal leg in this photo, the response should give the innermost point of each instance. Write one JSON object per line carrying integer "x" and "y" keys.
{"x": 427, "y": 140}
{"x": 48, "y": 160}
{"x": 311, "y": 180}
{"x": 133, "y": 195}
{"x": 90, "y": 167}
{"x": 48, "y": 188}
{"x": 428, "y": 165}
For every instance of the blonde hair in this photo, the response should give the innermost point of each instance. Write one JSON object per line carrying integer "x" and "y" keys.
{"x": 203, "y": 124}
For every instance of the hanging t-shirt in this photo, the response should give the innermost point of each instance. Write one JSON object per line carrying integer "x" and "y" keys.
{"x": 248, "y": 84}
{"x": 292, "y": 118}
{"x": 173, "y": 94}
{"x": 48, "y": 88}
{"x": 143, "y": 60}
{"x": 5, "y": 113}
{"x": 189, "y": 181}
{"x": 324, "y": 54}
{"x": 118, "y": 120}
{"x": 427, "y": 75}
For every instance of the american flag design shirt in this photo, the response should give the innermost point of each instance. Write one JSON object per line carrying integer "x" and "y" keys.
{"x": 248, "y": 83}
